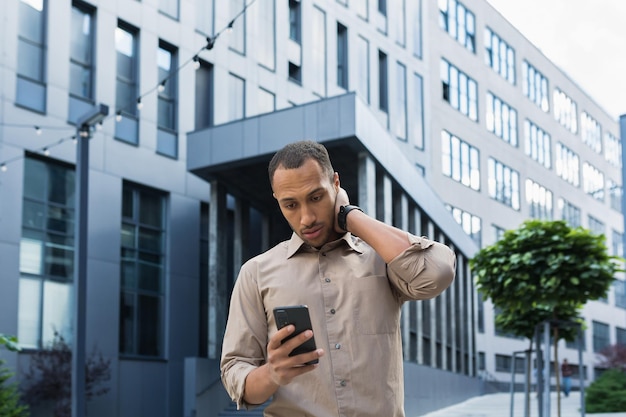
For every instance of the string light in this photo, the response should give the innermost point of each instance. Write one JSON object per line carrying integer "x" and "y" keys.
{"x": 195, "y": 60}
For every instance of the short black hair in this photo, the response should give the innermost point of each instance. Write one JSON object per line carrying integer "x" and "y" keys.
{"x": 295, "y": 154}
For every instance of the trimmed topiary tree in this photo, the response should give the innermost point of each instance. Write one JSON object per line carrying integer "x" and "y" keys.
{"x": 607, "y": 394}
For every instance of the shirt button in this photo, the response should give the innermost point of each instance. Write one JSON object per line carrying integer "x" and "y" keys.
{"x": 343, "y": 383}
{"x": 332, "y": 311}
{"x": 327, "y": 279}
{"x": 338, "y": 346}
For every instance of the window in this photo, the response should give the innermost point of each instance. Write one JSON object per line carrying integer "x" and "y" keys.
{"x": 537, "y": 144}
{"x": 459, "y": 22}
{"x": 167, "y": 135}
{"x": 539, "y": 200}
{"x": 237, "y": 98}
{"x": 567, "y": 164}
{"x": 499, "y": 56}
{"x": 593, "y": 181}
{"x": 31, "y": 55}
{"x": 127, "y": 85}
{"x": 142, "y": 271}
{"x": 501, "y": 119}
{"x": 481, "y": 361}
{"x": 81, "y": 62}
{"x": 295, "y": 26}
{"x": 617, "y": 243}
{"x": 205, "y": 13}
{"x": 169, "y": 7}
{"x": 596, "y": 226}
{"x": 416, "y": 27}
{"x": 204, "y": 95}
{"x": 361, "y": 7}
{"x": 398, "y": 29}
{"x": 600, "y": 336}
{"x": 295, "y": 73}
{"x": 382, "y": 7}
{"x": 266, "y": 102}
{"x": 503, "y": 184}
{"x": 570, "y": 213}
{"x": 535, "y": 86}
{"x": 267, "y": 35}
{"x": 363, "y": 56}
{"x": 399, "y": 115}
{"x": 383, "y": 92}
{"x": 591, "y": 132}
{"x": 459, "y": 90}
{"x": 460, "y": 161}
{"x": 620, "y": 336}
{"x": 46, "y": 253}
{"x": 503, "y": 364}
{"x": 615, "y": 195}
{"x": 613, "y": 149}
{"x": 620, "y": 293}
{"x": 565, "y": 111}
{"x": 342, "y": 56}
{"x": 480, "y": 315}
{"x": 318, "y": 46}
{"x": 203, "y": 289}
{"x": 471, "y": 224}
{"x": 417, "y": 114}
{"x": 574, "y": 343}
{"x": 498, "y": 232}
{"x": 238, "y": 32}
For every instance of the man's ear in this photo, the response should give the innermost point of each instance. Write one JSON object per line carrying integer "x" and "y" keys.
{"x": 274, "y": 195}
{"x": 336, "y": 182}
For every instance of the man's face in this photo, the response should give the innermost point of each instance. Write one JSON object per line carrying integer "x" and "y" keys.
{"x": 306, "y": 197}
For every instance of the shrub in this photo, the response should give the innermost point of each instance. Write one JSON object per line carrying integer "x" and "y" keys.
{"x": 49, "y": 377}
{"x": 607, "y": 394}
{"x": 10, "y": 405}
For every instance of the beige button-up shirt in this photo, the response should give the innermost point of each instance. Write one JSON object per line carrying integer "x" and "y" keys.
{"x": 354, "y": 299}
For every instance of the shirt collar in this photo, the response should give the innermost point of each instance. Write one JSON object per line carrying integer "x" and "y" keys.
{"x": 296, "y": 244}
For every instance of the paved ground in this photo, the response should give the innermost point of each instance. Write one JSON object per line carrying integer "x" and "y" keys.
{"x": 499, "y": 405}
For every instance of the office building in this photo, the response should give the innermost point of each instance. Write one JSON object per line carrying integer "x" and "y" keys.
{"x": 440, "y": 117}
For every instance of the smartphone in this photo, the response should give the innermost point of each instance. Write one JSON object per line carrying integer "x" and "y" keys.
{"x": 299, "y": 317}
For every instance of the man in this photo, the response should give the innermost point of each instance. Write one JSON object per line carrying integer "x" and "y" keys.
{"x": 566, "y": 372}
{"x": 354, "y": 272}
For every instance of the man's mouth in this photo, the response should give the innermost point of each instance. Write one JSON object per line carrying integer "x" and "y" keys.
{"x": 313, "y": 232}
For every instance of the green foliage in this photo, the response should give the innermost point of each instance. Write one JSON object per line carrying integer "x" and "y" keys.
{"x": 543, "y": 270}
{"x": 10, "y": 342}
{"x": 10, "y": 405}
{"x": 607, "y": 394}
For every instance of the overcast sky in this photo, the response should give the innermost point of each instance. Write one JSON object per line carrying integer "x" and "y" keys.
{"x": 585, "y": 38}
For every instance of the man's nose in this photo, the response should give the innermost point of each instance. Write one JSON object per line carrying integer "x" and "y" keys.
{"x": 307, "y": 215}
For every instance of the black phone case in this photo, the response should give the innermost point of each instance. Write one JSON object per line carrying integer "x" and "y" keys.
{"x": 298, "y": 316}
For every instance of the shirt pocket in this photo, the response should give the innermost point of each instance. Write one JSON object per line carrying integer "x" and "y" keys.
{"x": 376, "y": 309}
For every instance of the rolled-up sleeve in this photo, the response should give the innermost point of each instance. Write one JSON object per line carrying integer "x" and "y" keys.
{"x": 245, "y": 339}
{"x": 422, "y": 271}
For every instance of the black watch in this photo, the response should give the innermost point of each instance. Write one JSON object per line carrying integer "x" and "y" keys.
{"x": 343, "y": 213}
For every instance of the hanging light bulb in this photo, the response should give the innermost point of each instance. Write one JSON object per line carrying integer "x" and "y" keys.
{"x": 46, "y": 151}
{"x": 139, "y": 104}
{"x": 99, "y": 125}
{"x": 196, "y": 62}
{"x": 161, "y": 86}
{"x": 229, "y": 28}
{"x": 74, "y": 140}
{"x": 3, "y": 168}
{"x": 118, "y": 116}
{"x": 38, "y": 130}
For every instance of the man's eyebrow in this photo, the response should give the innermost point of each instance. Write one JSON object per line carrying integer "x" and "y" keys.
{"x": 288, "y": 199}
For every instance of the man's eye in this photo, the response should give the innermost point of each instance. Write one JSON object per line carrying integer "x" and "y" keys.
{"x": 290, "y": 205}
{"x": 316, "y": 198}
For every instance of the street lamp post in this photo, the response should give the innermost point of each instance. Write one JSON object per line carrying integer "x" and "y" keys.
{"x": 83, "y": 134}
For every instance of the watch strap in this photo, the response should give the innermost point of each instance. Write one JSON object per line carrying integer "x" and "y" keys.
{"x": 343, "y": 213}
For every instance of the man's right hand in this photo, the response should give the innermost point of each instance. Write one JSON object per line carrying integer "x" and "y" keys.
{"x": 284, "y": 368}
